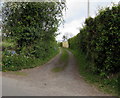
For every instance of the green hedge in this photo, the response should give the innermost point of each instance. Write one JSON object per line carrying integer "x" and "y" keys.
{"x": 32, "y": 26}
{"x": 14, "y": 62}
{"x": 99, "y": 40}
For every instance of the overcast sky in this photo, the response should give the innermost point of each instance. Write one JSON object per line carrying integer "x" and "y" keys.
{"x": 77, "y": 12}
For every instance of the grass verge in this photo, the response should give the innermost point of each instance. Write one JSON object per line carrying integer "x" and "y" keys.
{"x": 109, "y": 85}
{"x": 19, "y": 73}
{"x": 63, "y": 60}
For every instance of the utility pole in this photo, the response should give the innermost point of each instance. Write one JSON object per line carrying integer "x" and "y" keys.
{"x": 88, "y": 8}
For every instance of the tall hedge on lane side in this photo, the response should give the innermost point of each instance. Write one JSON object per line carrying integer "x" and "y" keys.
{"x": 99, "y": 40}
{"x": 32, "y": 26}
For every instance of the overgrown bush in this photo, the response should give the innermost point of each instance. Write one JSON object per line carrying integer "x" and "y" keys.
{"x": 32, "y": 26}
{"x": 12, "y": 61}
{"x": 99, "y": 40}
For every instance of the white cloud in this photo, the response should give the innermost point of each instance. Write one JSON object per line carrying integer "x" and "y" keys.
{"x": 77, "y": 12}
{"x": 71, "y": 28}
{"x": 78, "y": 8}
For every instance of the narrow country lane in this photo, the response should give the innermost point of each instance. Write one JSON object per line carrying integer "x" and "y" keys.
{"x": 41, "y": 81}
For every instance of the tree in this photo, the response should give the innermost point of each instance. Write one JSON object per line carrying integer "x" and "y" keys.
{"x": 32, "y": 24}
{"x": 66, "y": 36}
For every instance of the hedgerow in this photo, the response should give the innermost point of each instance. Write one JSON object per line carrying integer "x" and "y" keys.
{"x": 32, "y": 27}
{"x": 99, "y": 40}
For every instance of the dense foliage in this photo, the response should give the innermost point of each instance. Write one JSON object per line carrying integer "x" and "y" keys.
{"x": 31, "y": 26}
{"x": 99, "y": 40}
